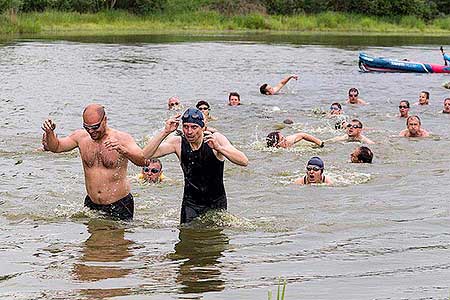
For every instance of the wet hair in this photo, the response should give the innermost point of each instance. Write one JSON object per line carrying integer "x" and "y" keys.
{"x": 353, "y": 90}
{"x": 153, "y": 160}
{"x": 202, "y": 102}
{"x": 273, "y": 138}
{"x": 427, "y": 94}
{"x": 234, "y": 94}
{"x": 336, "y": 104}
{"x": 405, "y": 101}
{"x": 365, "y": 155}
{"x": 263, "y": 88}
{"x": 359, "y": 122}
{"x": 415, "y": 116}
{"x": 446, "y": 99}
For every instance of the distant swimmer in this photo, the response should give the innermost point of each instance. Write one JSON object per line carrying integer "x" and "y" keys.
{"x": 104, "y": 161}
{"x": 403, "y": 108}
{"x": 174, "y": 103}
{"x": 337, "y": 113}
{"x": 314, "y": 173}
{"x": 446, "y": 109}
{"x": 361, "y": 155}
{"x": 266, "y": 89}
{"x": 424, "y": 98}
{"x": 413, "y": 128}
{"x": 234, "y": 99}
{"x": 202, "y": 155}
{"x": 152, "y": 172}
{"x": 205, "y": 108}
{"x": 354, "y": 129}
{"x": 353, "y": 98}
{"x": 278, "y": 140}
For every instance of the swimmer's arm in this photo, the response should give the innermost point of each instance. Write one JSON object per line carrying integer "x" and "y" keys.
{"x": 300, "y": 136}
{"x": 58, "y": 145}
{"x": 221, "y": 144}
{"x": 367, "y": 140}
{"x": 283, "y": 82}
{"x": 342, "y": 138}
{"x": 361, "y": 101}
{"x": 328, "y": 181}
{"x": 155, "y": 147}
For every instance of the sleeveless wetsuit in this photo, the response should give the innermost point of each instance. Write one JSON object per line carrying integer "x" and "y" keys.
{"x": 122, "y": 209}
{"x": 203, "y": 181}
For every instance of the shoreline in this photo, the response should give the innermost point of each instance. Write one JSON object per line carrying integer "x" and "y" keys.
{"x": 55, "y": 23}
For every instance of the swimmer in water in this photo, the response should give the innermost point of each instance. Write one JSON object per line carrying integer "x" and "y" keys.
{"x": 424, "y": 98}
{"x": 234, "y": 99}
{"x": 152, "y": 172}
{"x": 174, "y": 103}
{"x": 361, "y": 155}
{"x": 278, "y": 140}
{"x": 105, "y": 161}
{"x": 354, "y": 129}
{"x": 266, "y": 89}
{"x": 202, "y": 156}
{"x": 353, "y": 94}
{"x": 413, "y": 128}
{"x": 446, "y": 109}
{"x": 314, "y": 173}
{"x": 403, "y": 108}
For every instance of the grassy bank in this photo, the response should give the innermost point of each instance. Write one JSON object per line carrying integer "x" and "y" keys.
{"x": 121, "y": 22}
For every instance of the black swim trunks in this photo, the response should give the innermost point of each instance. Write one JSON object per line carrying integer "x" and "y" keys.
{"x": 122, "y": 209}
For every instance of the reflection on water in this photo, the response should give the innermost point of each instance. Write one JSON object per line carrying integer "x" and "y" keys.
{"x": 102, "y": 253}
{"x": 198, "y": 252}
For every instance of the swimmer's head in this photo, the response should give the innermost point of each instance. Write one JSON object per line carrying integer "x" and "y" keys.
{"x": 234, "y": 99}
{"x": 193, "y": 115}
{"x": 361, "y": 155}
{"x": 316, "y": 161}
{"x": 266, "y": 89}
{"x": 273, "y": 139}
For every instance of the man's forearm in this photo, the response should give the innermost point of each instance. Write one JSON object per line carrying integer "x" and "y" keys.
{"x": 154, "y": 143}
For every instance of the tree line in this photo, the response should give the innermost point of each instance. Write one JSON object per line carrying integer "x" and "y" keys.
{"x": 423, "y": 9}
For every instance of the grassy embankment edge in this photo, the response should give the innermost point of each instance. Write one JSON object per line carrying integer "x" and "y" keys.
{"x": 121, "y": 22}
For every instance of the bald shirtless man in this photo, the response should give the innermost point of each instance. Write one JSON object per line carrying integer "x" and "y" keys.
{"x": 104, "y": 160}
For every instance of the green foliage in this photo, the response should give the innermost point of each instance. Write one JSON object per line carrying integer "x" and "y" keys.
{"x": 237, "y": 7}
{"x": 281, "y": 289}
{"x": 8, "y": 5}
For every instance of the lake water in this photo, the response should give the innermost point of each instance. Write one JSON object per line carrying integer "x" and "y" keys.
{"x": 381, "y": 232}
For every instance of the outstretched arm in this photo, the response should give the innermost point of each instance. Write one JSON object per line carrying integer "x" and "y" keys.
{"x": 156, "y": 147}
{"x": 54, "y": 144}
{"x": 300, "y": 136}
{"x": 223, "y": 147}
{"x": 283, "y": 82}
{"x": 367, "y": 140}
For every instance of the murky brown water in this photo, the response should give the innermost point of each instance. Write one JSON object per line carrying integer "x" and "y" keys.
{"x": 380, "y": 233}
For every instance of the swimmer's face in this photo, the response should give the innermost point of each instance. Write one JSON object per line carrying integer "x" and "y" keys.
{"x": 174, "y": 103}
{"x": 234, "y": 101}
{"x": 447, "y": 106}
{"x": 353, "y": 97}
{"x": 354, "y": 156}
{"x": 193, "y": 132}
{"x": 423, "y": 100}
{"x": 403, "y": 108}
{"x": 413, "y": 126}
{"x": 269, "y": 90}
{"x": 335, "y": 110}
{"x": 95, "y": 125}
{"x": 152, "y": 172}
{"x": 314, "y": 174}
{"x": 282, "y": 142}
{"x": 354, "y": 129}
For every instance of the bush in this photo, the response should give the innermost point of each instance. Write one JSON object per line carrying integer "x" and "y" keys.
{"x": 146, "y": 7}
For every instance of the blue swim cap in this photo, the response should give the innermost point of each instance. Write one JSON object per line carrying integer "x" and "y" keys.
{"x": 316, "y": 161}
{"x": 193, "y": 115}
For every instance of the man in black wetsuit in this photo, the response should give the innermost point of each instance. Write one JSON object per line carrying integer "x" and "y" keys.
{"x": 202, "y": 155}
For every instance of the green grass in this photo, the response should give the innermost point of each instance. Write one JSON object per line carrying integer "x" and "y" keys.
{"x": 281, "y": 289}
{"x": 121, "y": 22}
